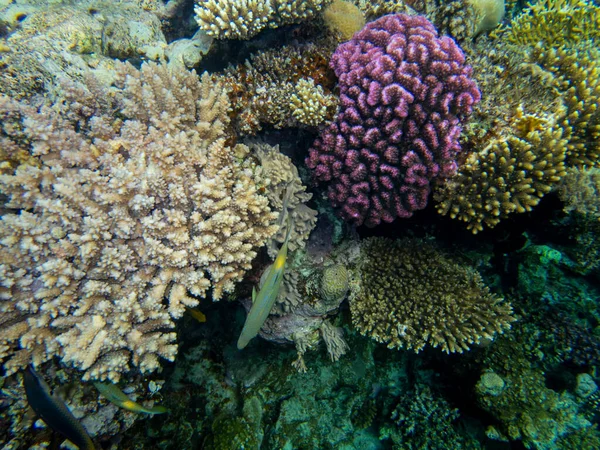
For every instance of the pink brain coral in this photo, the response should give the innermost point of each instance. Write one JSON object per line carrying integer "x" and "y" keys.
{"x": 403, "y": 91}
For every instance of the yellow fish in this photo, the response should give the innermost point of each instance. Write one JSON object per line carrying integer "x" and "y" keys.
{"x": 116, "y": 396}
{"x": 199, "y": 316}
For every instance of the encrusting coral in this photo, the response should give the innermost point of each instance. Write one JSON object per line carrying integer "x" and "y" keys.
{"x": 243, "y": 19}
{"x": 123, "y": 217}
{"x": 412, "y": 295}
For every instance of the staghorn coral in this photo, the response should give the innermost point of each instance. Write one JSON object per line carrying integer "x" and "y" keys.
{"x": 120, "y": 220}
{"x": 510, "y": 174}
{"x": 281, "y": 179}
{"x": 243, "y": 19}
{"x": 554, "y": 23}
{"x": 270, "y": 86}
{"x": 412, "y": 295}
{"x": 403, "y": 94}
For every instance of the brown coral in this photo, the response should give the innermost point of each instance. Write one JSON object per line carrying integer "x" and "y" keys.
{"x": 121, "y": 220}
{"x": 412, "y": 295}
{"x": 273, "y": 86}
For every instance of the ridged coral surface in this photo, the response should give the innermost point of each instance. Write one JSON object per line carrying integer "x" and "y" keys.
{"x": 403, "y": 91}
{"x": 412, "y": 295}
{"x": 120, "y": 220}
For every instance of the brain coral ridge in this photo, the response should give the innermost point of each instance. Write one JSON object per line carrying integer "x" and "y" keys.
{"x": 403, "y": 91}
{"x": 120, "y": 220}
{"x": 413, "y": 295}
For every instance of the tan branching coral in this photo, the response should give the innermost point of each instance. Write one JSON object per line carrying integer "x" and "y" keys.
{"x": 288, "y": 87}
{"x": 123, "y": 223}
{"x": 510, "y": 175}
{"x": 412, "y": 295}
{"x": 310, "y": 106}
{"x": 281, "y": 180}
{"x": 555, "y": 23}
{"x": 243, "y": 19}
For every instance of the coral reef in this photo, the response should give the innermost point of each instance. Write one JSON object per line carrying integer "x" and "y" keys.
{"x": 574, "y": 73}
{"x": 289, "y": 87}
{"x": 121, "y": 219}
{"x": 49, "y": 40}
{"x": 243, "y": 19}
{"x": 398, "y": 129}
{"x": 412, "y": 295}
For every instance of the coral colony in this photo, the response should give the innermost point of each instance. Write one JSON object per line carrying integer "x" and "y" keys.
{"x": 291, "y": 224}
{"x": 403, "y": 91}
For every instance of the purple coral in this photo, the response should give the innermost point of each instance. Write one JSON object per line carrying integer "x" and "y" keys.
{"x": 402, "y": 92}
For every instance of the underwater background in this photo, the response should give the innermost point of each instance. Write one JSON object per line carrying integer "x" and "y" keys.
{"x": 409, "y": 190}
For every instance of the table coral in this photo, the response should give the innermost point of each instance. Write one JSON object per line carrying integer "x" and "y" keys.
{"x": 403, "y": 92}
{"x": 412, "y": 295}
{"x": 122, "y": 220}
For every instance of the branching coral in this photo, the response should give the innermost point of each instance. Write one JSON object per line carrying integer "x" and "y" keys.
{"x": 510, "y": 175}
{"x": 120, "y": 220}
{"x": 555, "y": 22}
{"x": 243, "y": 19}
{"x": 283, "y": 88}
{"x": 575, "y": 72}
{"x": 412, "y": 295}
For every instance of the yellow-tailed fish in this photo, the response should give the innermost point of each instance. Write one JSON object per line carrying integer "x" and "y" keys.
{"x": 53, "y": 411}
{"x": 263, "y": 301}
{"x": 113, "y": 394}
{"x": 198, "y": 315}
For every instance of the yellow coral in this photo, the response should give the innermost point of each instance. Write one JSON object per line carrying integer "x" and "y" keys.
{"x": 344, "y": 17}
{"x": 412, "y": 295}
{"x": 509, "y": 175}
{"x": 555, "y": 22}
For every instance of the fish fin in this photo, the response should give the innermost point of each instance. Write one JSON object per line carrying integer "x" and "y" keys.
{"x": 157, "y": 410}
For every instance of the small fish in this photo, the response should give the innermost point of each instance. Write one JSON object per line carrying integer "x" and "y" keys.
{"x": 113, "y": 394}
{"x": 264, "y": 300}
{"x": 198, "y": 315}
{"x": 53, "y": 411}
